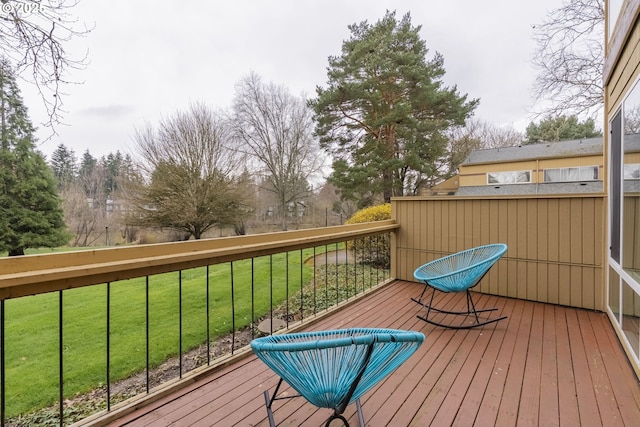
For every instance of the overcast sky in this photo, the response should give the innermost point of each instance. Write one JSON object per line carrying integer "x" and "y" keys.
{"x": 151, "y": 58}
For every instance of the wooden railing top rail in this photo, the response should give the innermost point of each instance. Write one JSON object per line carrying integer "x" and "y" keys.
{"x": 502, "y": 197}
{"x": 36, "y": 274}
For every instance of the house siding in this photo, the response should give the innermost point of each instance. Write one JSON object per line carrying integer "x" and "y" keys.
{"x": 534, "y": 159}
{"x": 624, "y": 72}
{"x": 555, "y": 243}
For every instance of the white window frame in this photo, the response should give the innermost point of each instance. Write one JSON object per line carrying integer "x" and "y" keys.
{"x": 592, "y": 168}
{"x": 509, "y": 174}
{"x": 631, "y": 171}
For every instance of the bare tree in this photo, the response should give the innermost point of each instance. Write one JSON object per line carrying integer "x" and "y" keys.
{"x": 632, "y": 120}
{"x": 33, "y": 36}
{"x": 570, "y": 56}
{"x": 276, "y": 129}
{"x": 477, "y": 135}
{"x": 85, "y": 217}
{"x": 193, "y": 177}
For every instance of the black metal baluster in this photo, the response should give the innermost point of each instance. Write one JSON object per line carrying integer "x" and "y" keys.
{"x": 315, "y": 294}
{"x": 286, "y": 288}
{"x": 233, "y": 312}
{"x": 326, "y": 277}
{"x": 372, "y": 261}
{"x": 146, "y": 280}
{"x": 2, "y": 366}
{"x": 346, "y": 269}
{"x": 271, "y": 293}
{"x": 363, "y": 262}
{"x": 180, "y": 321}
{"x": 60, "y": 360}
{"x": 388, "y": 254}
{"x": 208, "y": 322}
{"x": 355, "y": 268}
{"x": 378, "y": 256}
{"x": 108, "y": 346}
{"x": 301, "y": 287}
{"x": 385, "y": 246}
{"x": 253, "y": 311}
{"x": 337, "y": 277}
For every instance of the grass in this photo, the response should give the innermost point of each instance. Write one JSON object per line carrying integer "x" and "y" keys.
{"x": 333, "y": 284}
{"x": 329, "y": 285}
{"x": 32, "y": 334}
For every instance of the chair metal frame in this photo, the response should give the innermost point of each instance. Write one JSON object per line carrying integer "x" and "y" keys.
{"x": 357, "y": 359}
{"x": 458, "y": 272}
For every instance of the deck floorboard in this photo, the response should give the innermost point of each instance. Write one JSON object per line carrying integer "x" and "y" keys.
{"x": 543, "y": 365}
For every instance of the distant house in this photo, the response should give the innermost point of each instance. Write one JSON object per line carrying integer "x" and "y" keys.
{"x": 574, "y": 166}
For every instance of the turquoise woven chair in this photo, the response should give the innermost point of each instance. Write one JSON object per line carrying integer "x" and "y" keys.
{"x": 458, "y": 272}
{"x": 332, "y": 369}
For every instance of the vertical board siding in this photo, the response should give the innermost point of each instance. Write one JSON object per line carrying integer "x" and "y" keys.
{"x": 555, "y": 244}
{"x": 625, "y": 68}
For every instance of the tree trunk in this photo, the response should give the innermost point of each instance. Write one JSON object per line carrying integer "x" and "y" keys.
{"x": 16, "y": 252}
{"x": 387, "y": 186}
{"x": 284, "y": 212}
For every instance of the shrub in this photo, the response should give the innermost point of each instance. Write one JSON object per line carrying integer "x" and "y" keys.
{"x": 375, "y": 250}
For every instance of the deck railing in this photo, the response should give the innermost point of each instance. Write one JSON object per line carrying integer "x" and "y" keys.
{"x": 118, "y": 308}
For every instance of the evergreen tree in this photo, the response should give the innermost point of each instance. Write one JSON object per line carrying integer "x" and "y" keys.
{"x": 88, "y": 176}
{"x": 561, "y": 128}
{"x": 30, "y": 210}
{"x": 385, "y": 112}
{"x": 87, "y": 163}
{"x": 63, "y": 163}
{"x": 112, "y": 165}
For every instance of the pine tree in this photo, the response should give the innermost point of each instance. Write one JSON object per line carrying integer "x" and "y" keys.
{"x": 63, "y": 163}
{"x": 561, "y": 128}
{"x": 112, "y": 165}
{"x": 87, "y": 163}
{"x": 90, "y": 176}
{"x": 385, "y": 112}
{"x": 31, "y": 215}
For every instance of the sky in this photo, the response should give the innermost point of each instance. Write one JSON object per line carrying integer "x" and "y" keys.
{"x": 149, "y": 59}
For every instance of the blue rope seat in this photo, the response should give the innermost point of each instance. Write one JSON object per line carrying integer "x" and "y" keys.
{"x": 332, "y": 369}
{"x": 462, "y": 270}
{"x": 459, "y": 272}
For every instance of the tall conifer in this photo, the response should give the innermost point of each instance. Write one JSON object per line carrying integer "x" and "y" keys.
{"x": 31, "y": 215}
{"x": 385, "y": 111}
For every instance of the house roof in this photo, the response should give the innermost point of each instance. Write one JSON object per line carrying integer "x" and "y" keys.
{"x": 572, "y": 148}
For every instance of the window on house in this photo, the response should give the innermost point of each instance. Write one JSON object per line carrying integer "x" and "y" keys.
{"x": 632, "y": 171}
{"x": 624, "y": 221}
{"x": 510, "y": 177}
{"x": 628, "y": 188}
{"x": 615, "y": 143}
{"x": 581, "y": 173}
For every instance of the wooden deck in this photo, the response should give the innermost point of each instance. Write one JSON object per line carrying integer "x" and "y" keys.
{"x": 545, "y": 365}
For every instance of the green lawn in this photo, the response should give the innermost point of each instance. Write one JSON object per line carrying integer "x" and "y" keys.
{"x": 32, "y": 332}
